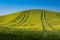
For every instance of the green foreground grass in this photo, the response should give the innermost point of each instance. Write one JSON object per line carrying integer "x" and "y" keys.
{"x": 11, "y": 25}
{"x": 15, "y": 34}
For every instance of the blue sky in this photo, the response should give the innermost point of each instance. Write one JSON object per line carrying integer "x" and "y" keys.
{"x": 10, "y": 6}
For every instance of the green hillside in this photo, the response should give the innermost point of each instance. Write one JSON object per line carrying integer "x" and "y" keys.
{"x": 30, "y": 25}
{"x": 32, "y": 19}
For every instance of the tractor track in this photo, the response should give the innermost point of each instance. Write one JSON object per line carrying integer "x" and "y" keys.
{"x": 19, "y": 16}
{"x": 47, "y": 21}
{"x": 19, "y": 20}
{"x": 42, "y": 14}
{"x": 43, "y": 18}
{"x": 27, "y": 16}
{"x": 14, "y": 20}
{"x": 22, "y": 20}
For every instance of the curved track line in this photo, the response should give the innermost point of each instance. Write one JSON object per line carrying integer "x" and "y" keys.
{"x": 20, "y": 20}
{"x": 26, "y": 17}
{"x": 42, "y": 15}
{"x": 47, "y": 21}
{"x": 14, "y": 20}
{"x": 19, "y": 16}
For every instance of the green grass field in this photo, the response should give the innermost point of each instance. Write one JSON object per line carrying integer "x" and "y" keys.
{"x": 14, "y": 34}
{"x": 30, "y": 25}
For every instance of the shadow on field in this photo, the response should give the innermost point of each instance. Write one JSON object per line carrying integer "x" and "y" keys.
{"x": 30, "y": 35}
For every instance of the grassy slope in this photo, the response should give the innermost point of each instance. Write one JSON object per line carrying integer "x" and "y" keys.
{"x": 11, "y": 25}
{"x": 30, "y": 19}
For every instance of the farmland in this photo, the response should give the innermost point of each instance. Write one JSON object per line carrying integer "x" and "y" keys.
{"x": 33, "y": 24}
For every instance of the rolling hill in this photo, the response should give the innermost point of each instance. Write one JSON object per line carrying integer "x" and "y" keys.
{"x": 35, "y": 19}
